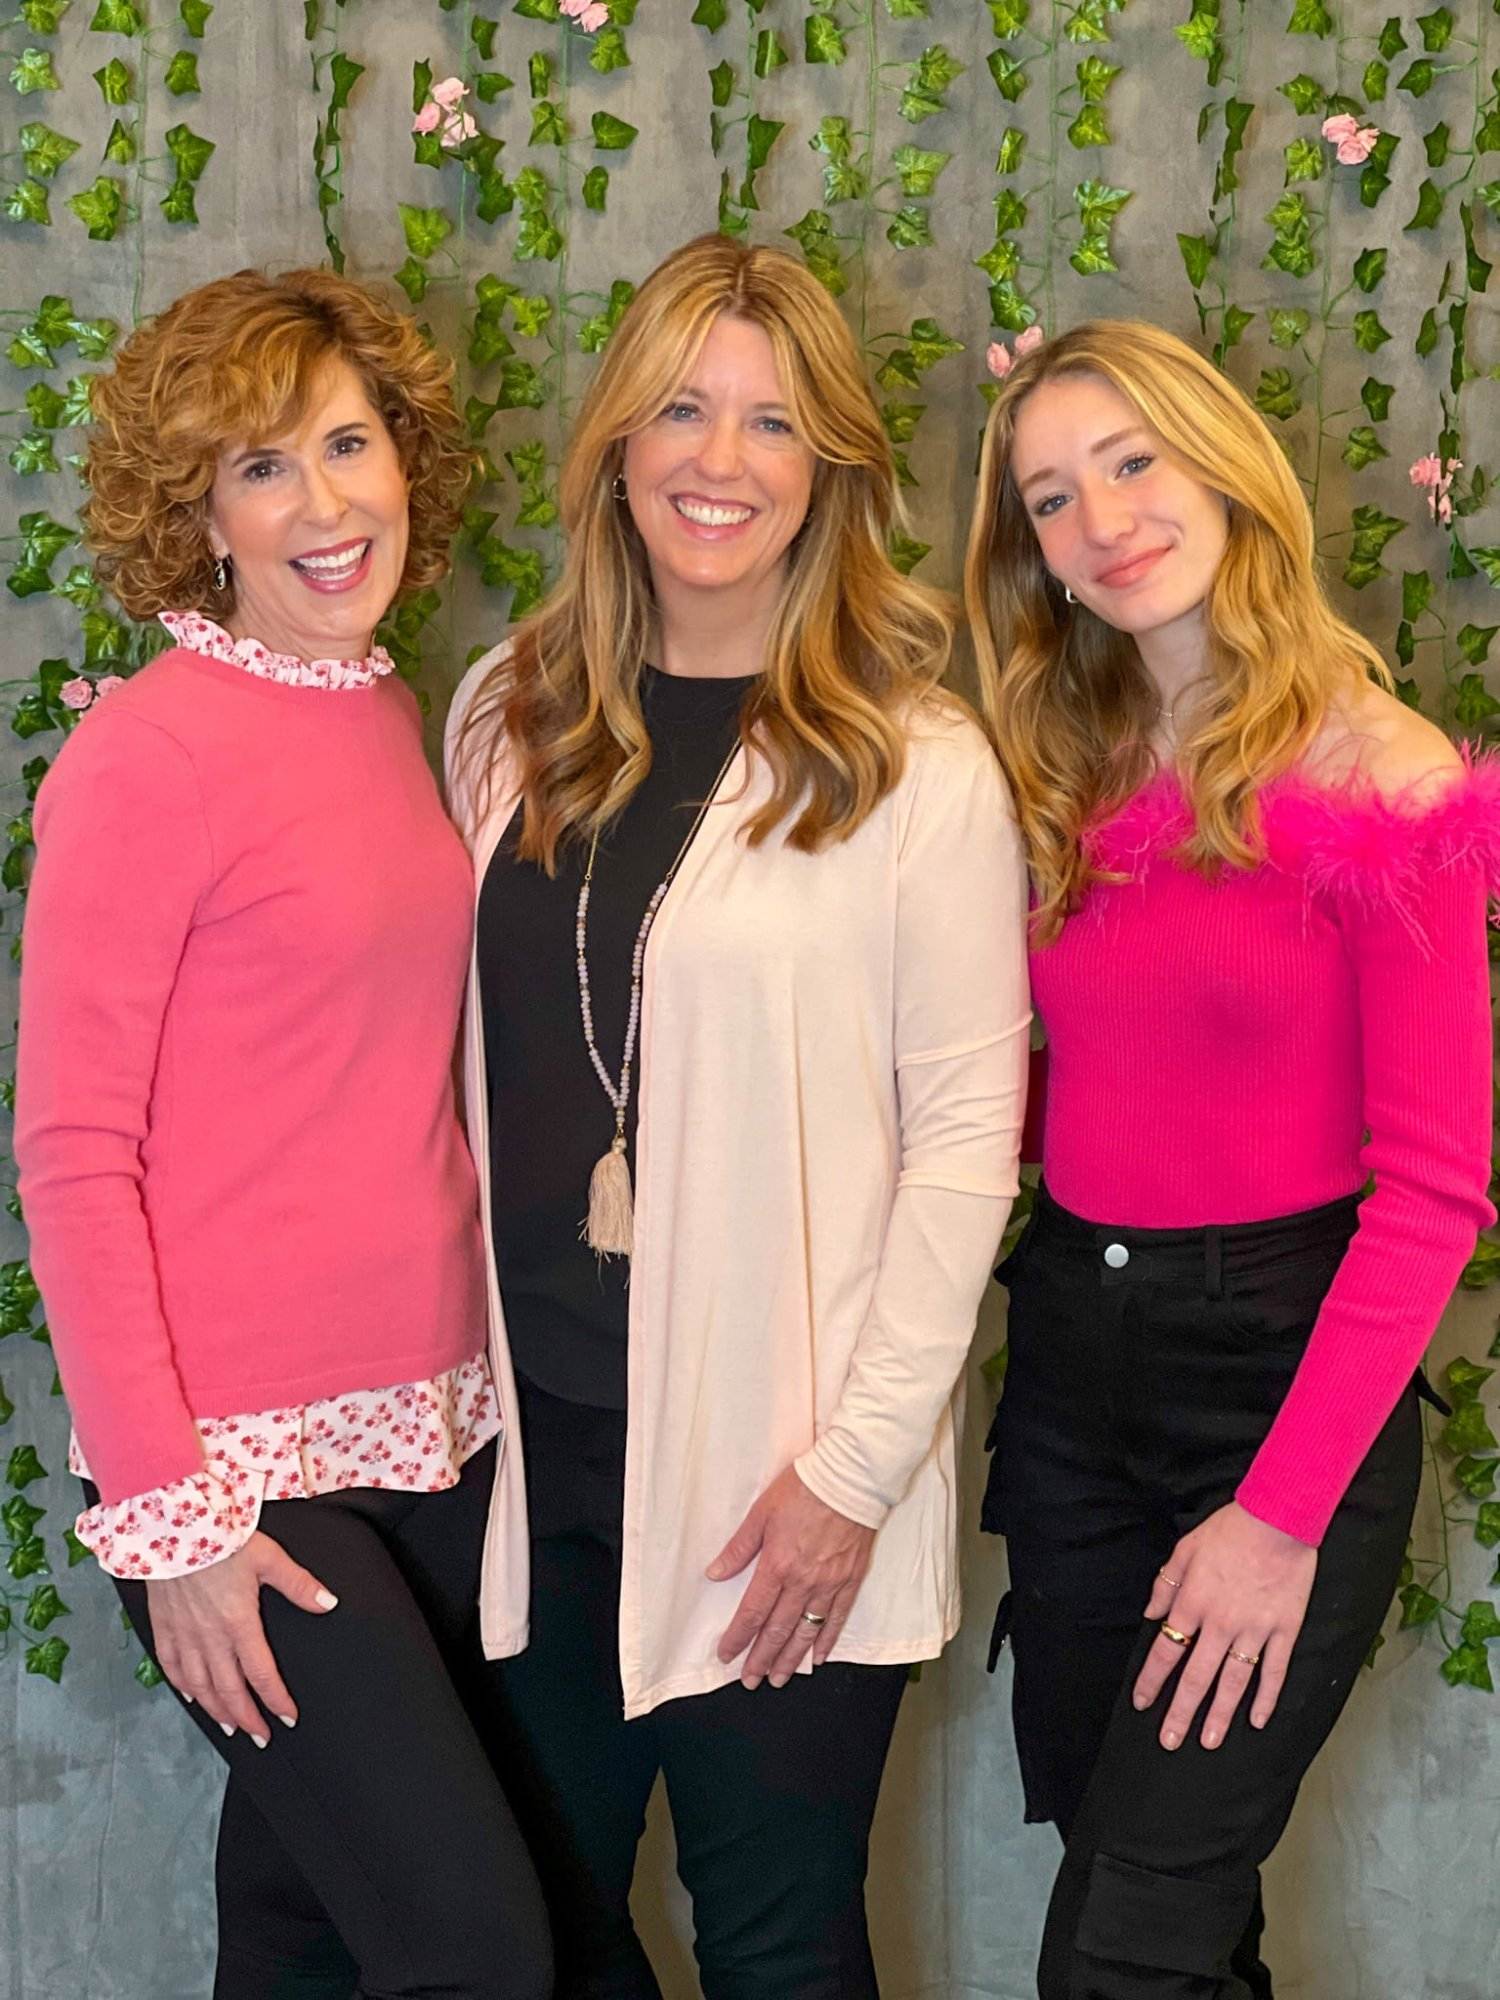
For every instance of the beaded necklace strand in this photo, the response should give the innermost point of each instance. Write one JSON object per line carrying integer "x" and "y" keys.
{"x": 609, "y": 1227}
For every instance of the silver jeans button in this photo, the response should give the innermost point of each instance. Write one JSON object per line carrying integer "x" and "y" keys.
{"x": 1116, "y": 1256}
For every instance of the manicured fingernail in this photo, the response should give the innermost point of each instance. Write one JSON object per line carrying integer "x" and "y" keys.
{"x": 1211, "y": 1739}
{"x": 325, "y": 1600}
{"x": 1170, "y": 1739}
{"x": 227, "y": 1727}
{"x": 188, "y": 1699}
{"x": 1258, "y": 1721}
{"x": 780, "y": 1680}
{"x": 260, "y": 1742}
{"x": 752, "y": 1681}
{"x": 1141, "y": 1701}
{"x": 287, "y": 1721}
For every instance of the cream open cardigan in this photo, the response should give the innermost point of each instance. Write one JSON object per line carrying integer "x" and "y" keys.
{"x": 832, "y": 1074}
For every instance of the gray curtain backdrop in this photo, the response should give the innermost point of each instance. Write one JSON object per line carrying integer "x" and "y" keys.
{"x": 1386, "y": 1887}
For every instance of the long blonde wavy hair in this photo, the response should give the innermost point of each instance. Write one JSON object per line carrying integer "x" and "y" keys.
{"x": 852, "y": 643}
{"x": 1068, "y": 698}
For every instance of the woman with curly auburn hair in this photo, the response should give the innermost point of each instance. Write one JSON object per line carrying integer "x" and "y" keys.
{"x": 1259, "y": 954}
{"x": 251, "y": 1208}
{"x": 731, "y": 841}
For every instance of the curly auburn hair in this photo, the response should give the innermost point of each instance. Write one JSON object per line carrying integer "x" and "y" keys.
{"x": 238, "y": 359}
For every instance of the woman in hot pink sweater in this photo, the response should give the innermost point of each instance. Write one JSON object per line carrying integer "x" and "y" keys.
{"x": 252, "y": 1212}
{"x": 1259, "y": 954}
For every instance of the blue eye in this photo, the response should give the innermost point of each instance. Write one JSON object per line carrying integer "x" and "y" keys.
{"x": 1049, "y": 506}
{"x": 259, "y": 470}
{"x": 675, "y": 410}
{"x": 1142, "y": 458}
{"x": 777, "y": 424}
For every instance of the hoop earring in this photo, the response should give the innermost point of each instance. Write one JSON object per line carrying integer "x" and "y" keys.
{"x": 618, "y": 487}
{"x": 1069, "y": 595}
{"x": 221, "y": 573}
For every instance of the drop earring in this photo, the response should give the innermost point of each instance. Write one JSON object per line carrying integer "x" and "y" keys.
{"x": 618, "y": 487}
{"x": 1069, "y": 595}
{"x": 221, "y": 573}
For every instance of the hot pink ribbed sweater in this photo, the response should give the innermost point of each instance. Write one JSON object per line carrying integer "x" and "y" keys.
{"x": 1248, "y": 1046}
{"x": 246, "y": 941}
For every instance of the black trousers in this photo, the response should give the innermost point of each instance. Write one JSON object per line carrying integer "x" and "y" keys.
{"x": 1134, "y": 1400}
{"x": 370, "y": 1851}
{"x": 772, "y": 1792}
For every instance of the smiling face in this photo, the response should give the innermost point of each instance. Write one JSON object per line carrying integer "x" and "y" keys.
{"x": 314, "y": 524}
{"x": 719, "y": 482}
{"x": 1118, "y": 520}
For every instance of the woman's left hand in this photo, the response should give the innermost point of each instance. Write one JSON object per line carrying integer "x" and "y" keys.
{"x": 812, "y": 1559}
{"x": 1241, "y": 1594}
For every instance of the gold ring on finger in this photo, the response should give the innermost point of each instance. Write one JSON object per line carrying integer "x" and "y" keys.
{"x": 1177, "y": 1638}
{"x": 815, "y": 1617}
{"x": 1245, "y": 1659}
{"x": 1172, "y": 1582}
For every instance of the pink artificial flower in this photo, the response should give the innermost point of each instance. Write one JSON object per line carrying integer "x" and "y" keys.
{"x": 593, "y": 18}
{"x": 460, "y": 126}
{"x": 1427, "y": 471}
{"x": 1442, "y": 508}
{"x": 1354, "y": 142}
{"x": 450, "y": 93}
{"x": 1028, "y": 341}
{"x": 1454, "y": 465}
{"x": 427, "y": 118}
{"x": 106, "y": 684}
{"x": 997, "y": 359}
{"x": 76, "y": 694}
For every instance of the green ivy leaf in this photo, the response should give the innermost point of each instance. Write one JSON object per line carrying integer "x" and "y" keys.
{"x": 119, "y": 148}
{"x": 1476, "y": 1476}
{"x": 910, "y": 228}
{"x": 1304, "y": 161}
{"x": 344, "y": 72}
{"x": 1362, "y": 448}
{"x": 147, "y": 1672}
{"x": 23, "y": 1466}
{"x": 27, "y": 202}
{"x": 1237, "y": 114}
{"x": 608, "y": 53}
{"x": 114, "y": 81}
{"x": 425, "y": 229}
{"x": 710, "y": 14}
{"x": 1310, "y": 17}
{"x": 1369, "y": 335}
{"x": 1468, "y": 1666}
{"x": 195, "y": 15}
{"x": 191, "y": 152}
{"x": 20, "y": 1515}
{"x": 181, "y": 78}
{"x": 918, "y": 169}
{"x": 47, "y": 1658}
{"x": 1008, "y": 16}
{"x": 1467, "y": 1430}
{"x": 42, "y": 1607}
{"x": 1486, "y": 560}
{"x": 1473, "y": 642}
{"x": 77, "y": 1553}
{"x": 596, "y": 189}
{"x": 1437, "y": 30}
{"x": 1288, "y": 324}
{"x": 44, "y": 150}
{"x": 1419, "y": 77}
{"x": 1012, "y": 146}
{"x": 760, "y": 136}
{"x": 1276, "y": 394}
{"x": 496, "y": 196}
{"x": 1374, "y": 81}
{"x": 42, "y": 16}
{"x": 548, "y": 125}
{"x": 33, "y": 453}
{"x": 1416, "y": 594}
{"x": 823, "y": 40}
{"x": 1304, "y": 93}
{"x": 1487, "y": 1527}
{"x": 721, "y": 83}
{"x": 33, "y": 71}
{"x": 814, "y": 235}
{"x": 1369, "y": 269}
{"x": 178, "y": 203}
{"x": 538, "y": 237}
{"x": 1197, "y": 256}
{"x": 1392, "y": 41}
{"x": 100, "y": 208}
{"x": 116, "y": 17}
{"x": 1429, "y": 209}
{"x": 1010, "y": 74}
{"x": 905, "y": 554}
{"x": 489, "y": 83}
{"x": 7, "y": 1407}
{"x": 611, "y": 134}
{"x": 900, "y": 420}
{"x": 1477, "y": 268}
{"x": 1463, "y": 1379}
{"x": 1089, "y": 128}
{"x": 1418, "y": 1606}
{"x": 1199, "y": 35}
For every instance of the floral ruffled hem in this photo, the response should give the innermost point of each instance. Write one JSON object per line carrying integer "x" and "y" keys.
{"x": 415, "y": 1438}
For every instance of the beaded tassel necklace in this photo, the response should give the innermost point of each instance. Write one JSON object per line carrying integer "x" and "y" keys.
{"x": 609, "y": 1227}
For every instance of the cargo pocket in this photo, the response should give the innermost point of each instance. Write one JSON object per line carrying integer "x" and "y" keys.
{"x": 1136, "y": 1918}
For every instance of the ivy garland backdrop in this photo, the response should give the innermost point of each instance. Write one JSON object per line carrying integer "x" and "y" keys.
{"x": 1310, "y": 189}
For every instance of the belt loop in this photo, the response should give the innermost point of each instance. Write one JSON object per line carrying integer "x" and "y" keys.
{"x": 1213, "y": 1263}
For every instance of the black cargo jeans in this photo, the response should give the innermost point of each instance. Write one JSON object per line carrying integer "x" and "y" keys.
{"x": 1145, "y": 1368}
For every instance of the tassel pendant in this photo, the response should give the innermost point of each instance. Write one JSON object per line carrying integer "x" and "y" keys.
{"x": 610, "y": 1229}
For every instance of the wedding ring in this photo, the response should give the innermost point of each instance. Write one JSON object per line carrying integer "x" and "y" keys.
{"x": 1177, "y": 1638}
{"x": 1245, "y": 1659}
{"x": 1172, "y": 1582}
{"x": 815, "y": 1617}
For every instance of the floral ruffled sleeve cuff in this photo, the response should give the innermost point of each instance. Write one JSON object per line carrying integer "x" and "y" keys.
{"x": 177, "y": 1529}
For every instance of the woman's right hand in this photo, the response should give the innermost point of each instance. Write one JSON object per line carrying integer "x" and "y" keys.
{"x": 210, "y": 1642}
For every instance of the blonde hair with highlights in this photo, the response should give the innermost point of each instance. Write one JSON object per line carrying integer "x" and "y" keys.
{"x": 1068, "y": 698}
{"x": 236, "y": 361}
{"x": 853, "y": 641}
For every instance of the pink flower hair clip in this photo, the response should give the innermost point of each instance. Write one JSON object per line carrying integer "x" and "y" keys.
{"x": 590, "y": 15}
{"x": 1000, "y": 359}
{"x": 1354, "y": 142}
{"x": 1437, "y": 478}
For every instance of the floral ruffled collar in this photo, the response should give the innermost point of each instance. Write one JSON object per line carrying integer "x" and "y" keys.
{"x": 201, "y": 635}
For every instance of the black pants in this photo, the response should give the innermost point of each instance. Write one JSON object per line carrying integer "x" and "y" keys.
{"x": 1135, "y": 1398}
{"x": 772, "y": 1792}
{"x": 371, "y": 1850}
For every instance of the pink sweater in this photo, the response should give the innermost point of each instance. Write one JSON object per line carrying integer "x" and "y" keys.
{"x": 246, "y": 943}
{"x": 1234, "y": 1049}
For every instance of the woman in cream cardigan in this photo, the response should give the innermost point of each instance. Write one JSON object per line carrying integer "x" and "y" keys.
{"x": 749, "y": 963}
